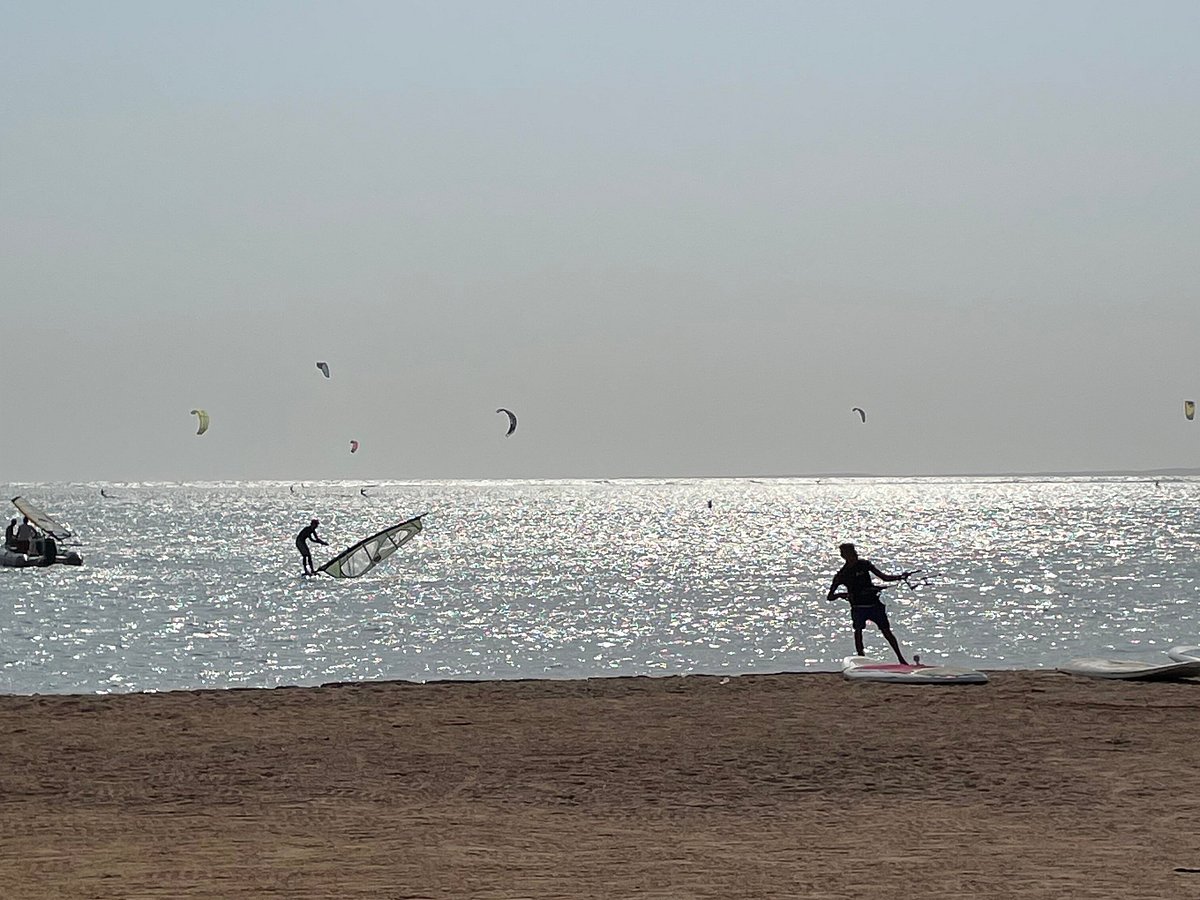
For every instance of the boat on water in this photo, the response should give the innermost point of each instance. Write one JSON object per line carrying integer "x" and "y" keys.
{"x": 44, "y": 549}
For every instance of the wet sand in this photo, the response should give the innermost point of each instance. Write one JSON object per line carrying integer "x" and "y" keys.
{"x": 1037, "y": 785}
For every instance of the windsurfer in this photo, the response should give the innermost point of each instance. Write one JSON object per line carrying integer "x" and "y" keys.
{"x": 308, "y": 533}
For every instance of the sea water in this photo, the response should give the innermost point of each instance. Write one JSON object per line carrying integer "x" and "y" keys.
{"x": 198, "y": 585}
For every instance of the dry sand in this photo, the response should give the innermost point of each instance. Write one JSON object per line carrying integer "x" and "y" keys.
{"x": 1035, "y": 786}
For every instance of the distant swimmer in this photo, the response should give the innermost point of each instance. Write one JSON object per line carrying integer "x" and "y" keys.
{"x": 863, "y": 594}
{"x": 308, "y": 533}
{"x": 102, "y": 494}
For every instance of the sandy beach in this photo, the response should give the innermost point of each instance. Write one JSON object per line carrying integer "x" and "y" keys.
{"x": 1037, "y": 785}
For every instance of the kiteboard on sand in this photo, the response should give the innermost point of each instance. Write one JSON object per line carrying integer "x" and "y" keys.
{"x": 1184, "y": 654}
{"x": 1131, "y": 669}
{"x": 863, "y": 668}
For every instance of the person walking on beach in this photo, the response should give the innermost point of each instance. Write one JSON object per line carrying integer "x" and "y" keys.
{"x": 863, "y": 594}
{"x": 308, "y": 533}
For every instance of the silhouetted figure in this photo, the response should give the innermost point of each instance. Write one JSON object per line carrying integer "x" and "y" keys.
{"x": 308, "y": 533}
{"x": 26, "y": 537}
{"x": 863, "y": 594}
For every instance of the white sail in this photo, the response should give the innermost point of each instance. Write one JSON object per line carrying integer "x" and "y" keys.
{"x": 41, "y": 520}
{"x": 368, "y": 553}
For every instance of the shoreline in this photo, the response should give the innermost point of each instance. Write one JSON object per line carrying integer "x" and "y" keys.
{"x": 1036, "y": 785}
{"x": 789, "y": 673}
{"x": 566, "y": 681}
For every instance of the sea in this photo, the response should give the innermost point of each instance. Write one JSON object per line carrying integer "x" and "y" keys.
{"x": 191, "y": 586}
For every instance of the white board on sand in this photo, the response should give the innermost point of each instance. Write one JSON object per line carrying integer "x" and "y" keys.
{"x": 863, "y": 668}
{"x": 1184, "y": 654}
{"x": 1131, "y": 669}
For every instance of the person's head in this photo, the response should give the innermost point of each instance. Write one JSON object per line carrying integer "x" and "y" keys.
{"x": 26, "y": 519}
{"x": 849, "y": 553}
{"x": 314, "y": 523}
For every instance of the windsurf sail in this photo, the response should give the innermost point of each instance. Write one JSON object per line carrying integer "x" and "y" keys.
{"x": 41, "y": 520}
{"x": 368, "y": 553}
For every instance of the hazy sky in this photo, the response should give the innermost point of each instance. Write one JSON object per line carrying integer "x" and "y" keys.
{"x": 676, "y": 238}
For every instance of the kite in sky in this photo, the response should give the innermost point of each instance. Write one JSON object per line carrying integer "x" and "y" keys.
{"x": 202, "y": 418}
{"x": 512, "y": 420}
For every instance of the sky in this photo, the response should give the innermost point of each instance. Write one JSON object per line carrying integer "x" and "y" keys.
{"x": 675, "y": 238}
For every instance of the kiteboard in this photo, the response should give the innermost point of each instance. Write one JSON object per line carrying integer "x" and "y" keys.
{"x": 863, "y": 668}
{"x": 1131, "y": 669}
{"x": 1184, "y": 654}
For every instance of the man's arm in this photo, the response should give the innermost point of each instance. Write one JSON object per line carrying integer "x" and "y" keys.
{"x": 837, "y": 580}
{"x": 899, "y": 577}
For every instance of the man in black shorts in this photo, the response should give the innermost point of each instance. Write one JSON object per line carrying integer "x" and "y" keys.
{"x": 863, "y": 594}
{"x": 306, "y": 534}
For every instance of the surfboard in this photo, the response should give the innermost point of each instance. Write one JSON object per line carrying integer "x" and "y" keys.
{"x": 1131, "y": 669}
{"x": 863, "y": 668}
{"x": 1184, "y": 654}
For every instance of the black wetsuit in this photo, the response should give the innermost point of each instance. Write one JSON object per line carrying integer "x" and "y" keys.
{"x": 309, "y": 532}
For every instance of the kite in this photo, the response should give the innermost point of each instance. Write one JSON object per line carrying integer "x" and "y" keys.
{"x": 861, "y": 414}
{"x": 201, "y": 417}
{"x": 324, "y": 367}
{"x": 512, "y": 420}
{"x": 354, "y": 446}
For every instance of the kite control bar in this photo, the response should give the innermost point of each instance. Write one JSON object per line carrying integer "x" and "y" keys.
{"x": 908, "y": 578}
